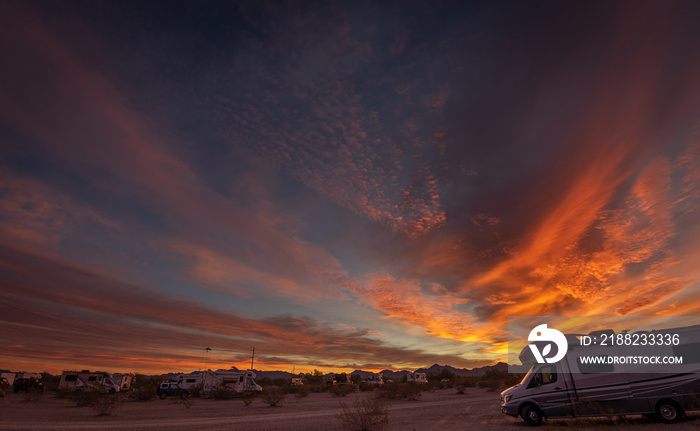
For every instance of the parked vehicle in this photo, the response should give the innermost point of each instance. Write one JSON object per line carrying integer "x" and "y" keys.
{"x": 124, "y": 381}
{"x": 85, "y": 380}
{"x": 297, "y": 381}
{"x": 376, "y": 379}
{"x": 416, "y": 378}
{"x": 169, "y": 389}
{"x": 25, "y": 382}
{"x": 238, "y": 381}
{"x": 9, "y": 378}
{"x": 573, "y": 388}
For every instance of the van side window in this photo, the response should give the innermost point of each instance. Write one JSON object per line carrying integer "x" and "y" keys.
{"x": 544, "y": 376}
{"x": 586, "y": 368}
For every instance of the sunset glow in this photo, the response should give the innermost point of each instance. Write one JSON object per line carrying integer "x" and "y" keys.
{"x": 371, "y": 186}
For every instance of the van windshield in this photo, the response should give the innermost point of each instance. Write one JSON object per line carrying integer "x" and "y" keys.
{"x": 527, "y": 376}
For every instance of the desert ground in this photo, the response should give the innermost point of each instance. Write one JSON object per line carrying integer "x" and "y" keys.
{"x": 438, "y": 410}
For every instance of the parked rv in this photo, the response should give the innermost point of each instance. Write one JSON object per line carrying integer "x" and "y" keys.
{"x": 297, "y": 381}
{"x": 9, "y": 378}
{"x": 375, "y": 379}
{"x": 416, "y": 378}
{"x": 124, "y": 381}
{"x": 85, "y": 380}
{"x": 238, "y": 381}
{"x": 573, "y": 388}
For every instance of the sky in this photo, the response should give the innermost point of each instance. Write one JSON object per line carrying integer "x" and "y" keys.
{"x": 357, "y": 185}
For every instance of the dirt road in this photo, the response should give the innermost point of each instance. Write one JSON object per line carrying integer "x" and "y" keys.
{"x": 441, "y": 410}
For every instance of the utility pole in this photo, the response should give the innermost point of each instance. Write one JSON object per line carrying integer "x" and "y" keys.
{"x": 252, "y": 360}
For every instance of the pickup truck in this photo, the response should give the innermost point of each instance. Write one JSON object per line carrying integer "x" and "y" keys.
{"x": 167, "y": 389}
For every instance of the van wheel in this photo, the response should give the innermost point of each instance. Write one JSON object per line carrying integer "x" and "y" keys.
{"x": 163, "y": 395}
{"x": 532, "y": 416}
{"x": 668, "y": 411}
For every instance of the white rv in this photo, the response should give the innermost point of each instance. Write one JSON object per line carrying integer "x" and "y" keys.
{"x": 87, "y": 381}
{"x": 188, "y": 381}
{"x": 416, "y": 378}
{"x": 124, "y": 381}
{"x": 376, "y": 379}
{"x": 8, "y": 377}
{"x": 575, "y": 387}
{"x": 238, "y": 381}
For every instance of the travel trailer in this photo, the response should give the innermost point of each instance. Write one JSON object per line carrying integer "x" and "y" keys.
{"x": 238, "y": 381}
{"x": 9, "y": 378}
{"x": 124, "y": 381}
{"x": 575, "y": 387}
{"x": 416, "y": 378}
{"x": 87, "y": 381}
{"x": 188, "y": 381}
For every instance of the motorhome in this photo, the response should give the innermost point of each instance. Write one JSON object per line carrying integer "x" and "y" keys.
{"x": 9, "y": 378}
{"x": 375, "y": 379}
{"x": 416, "y": 378}
{"x": 575, "y": 387}
{"x": 188, "y": 381}
{"x": 238, "y": 381}
{"x": 87, "y": 381}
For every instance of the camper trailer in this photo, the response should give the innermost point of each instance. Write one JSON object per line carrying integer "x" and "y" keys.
{"x": 238, "y": 381}
{"x": 124, "y": 381}
{"x": 416, "y": 378}
{"x": 574, "y": 387}
{"x": 188, "y": 381}
{"x": 85, "y": 380}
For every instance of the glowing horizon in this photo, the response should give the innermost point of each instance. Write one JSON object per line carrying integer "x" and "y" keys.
{"x": 357, "y": 187}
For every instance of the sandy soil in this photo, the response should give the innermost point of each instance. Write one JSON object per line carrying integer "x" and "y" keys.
{"x": 440, "y": 410}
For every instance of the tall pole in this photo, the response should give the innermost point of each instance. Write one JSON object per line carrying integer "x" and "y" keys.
{"x": 252, "y": 360}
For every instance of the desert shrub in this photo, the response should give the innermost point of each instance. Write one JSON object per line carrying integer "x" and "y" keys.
{"x": 248, "y": 397}
{"x": 2, "y": 393}
{"x": 342, "y": 390}
{"x": 389, "y": 391}
{"x": 274, "y": 396}
{"x": 301, "y": 391}
{"x": 33, "y": 394}
{"x": 49, "y": 381}
{"x": 461, "y": 389}
{"x": 105, "y": 404}
{"x": 84, "y": 398}
{"x": 5, "y": 387}
{"x": 370, "y": 414}
{"x": 143, "y": 393}
{"x": 224, "y": 392}
{"x": 196, "y": 391}
{"x": 411, "y": 391}
{"x": 264, "y": 381}
{"x": 366, "y": 387}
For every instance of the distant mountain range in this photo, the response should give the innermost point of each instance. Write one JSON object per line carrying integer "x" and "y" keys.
{"x": 388, "y": 374}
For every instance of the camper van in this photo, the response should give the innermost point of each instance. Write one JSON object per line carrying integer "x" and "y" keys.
{"x": 238, "y": 381}
{"x": 571, "y": 387}
{"x": 85, "y": 380}
{"x": 416, "y": 378}
{"x": 124, "y": 381}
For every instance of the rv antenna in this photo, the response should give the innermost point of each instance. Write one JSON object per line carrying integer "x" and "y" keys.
{"x": 252, "y": 360}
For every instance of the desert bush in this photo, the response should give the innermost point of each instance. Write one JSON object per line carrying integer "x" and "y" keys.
{"x": 342, "y": 390}
{"x": 301, "y": 391}
{"x": 274, "y": 396}
{"x": 84, "y": 398}
{"x": 196, "y": 391}
{"x": 370, "y": 414}
{"x": 33, "y": 394}
{"x": 461, "y": 389}
{"x": 143, "y": 393}
{"x": 5, "y": 387}
{"x": 224, "y": 392}
{"x": 2, "y": 393}
{"x": 389, "y": 391}
{"x": 411, "y": 391}
{"x": 366, "y": 387}
{"x": 248, "y": 397}
{"x": 105, "y": 404}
